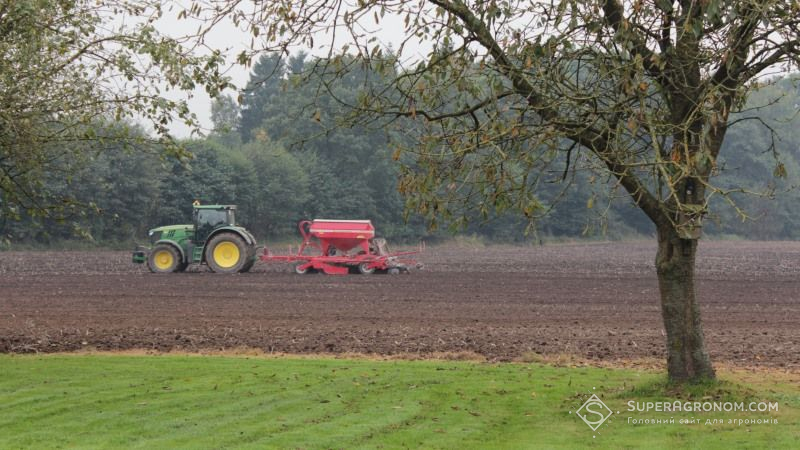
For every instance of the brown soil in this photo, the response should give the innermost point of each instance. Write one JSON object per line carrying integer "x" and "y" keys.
{"x": 594, "y": 301}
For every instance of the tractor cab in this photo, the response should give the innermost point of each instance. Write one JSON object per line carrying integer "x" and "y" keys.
{"x": 208, "y": 218}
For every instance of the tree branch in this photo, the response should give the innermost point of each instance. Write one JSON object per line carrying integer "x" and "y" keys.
{"x": 598, "y": 143}
{"x": 613, "y": 14}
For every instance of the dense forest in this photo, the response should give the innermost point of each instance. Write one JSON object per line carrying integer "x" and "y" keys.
{"x": 281, "y": 153}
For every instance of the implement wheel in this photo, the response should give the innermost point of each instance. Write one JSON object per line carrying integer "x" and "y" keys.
{"x": 165, "y": 259}
{"x": 227, "y": 253}
{"x": 300, "y": 270}
{"x": 365, "y": 269}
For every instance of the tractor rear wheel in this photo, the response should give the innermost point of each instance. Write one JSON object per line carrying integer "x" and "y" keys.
{"x": 165, "y": 258}
{"x": 251, "y": 259}
{"x": 248, "y": 266}
{"x": 227, "y": 253}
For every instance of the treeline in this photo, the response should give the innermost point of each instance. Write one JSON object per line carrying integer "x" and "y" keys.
{"x": 283, "y": 153}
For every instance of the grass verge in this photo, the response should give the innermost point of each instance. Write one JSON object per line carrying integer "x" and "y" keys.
{"x": 100, "y": 401}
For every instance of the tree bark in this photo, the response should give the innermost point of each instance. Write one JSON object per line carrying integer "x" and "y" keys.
{"x": 687, "y": 359}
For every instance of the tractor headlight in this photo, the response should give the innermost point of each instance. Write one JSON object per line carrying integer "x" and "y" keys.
{"x": 150, "y": 233}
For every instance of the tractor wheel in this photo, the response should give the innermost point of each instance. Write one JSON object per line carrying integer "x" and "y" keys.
{"x": 248, "y": 265}
{"x": 164, "y": 259}
{"x": 227, "y": 253}
{"x": 365, "y": 269}
{"x": 251, "y": 259}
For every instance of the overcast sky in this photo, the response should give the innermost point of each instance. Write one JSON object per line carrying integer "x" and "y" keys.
{"x": 227, "y": 37}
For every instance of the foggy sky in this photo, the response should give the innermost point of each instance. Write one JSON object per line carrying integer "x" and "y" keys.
{"x": 227, "y": 38}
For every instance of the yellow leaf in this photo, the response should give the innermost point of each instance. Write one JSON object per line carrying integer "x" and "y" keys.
{"x": 780, "y": 171}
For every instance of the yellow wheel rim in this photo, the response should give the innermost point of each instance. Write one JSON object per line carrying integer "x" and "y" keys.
{"x": 226, "y": 254}
{"x": 163, "y": 259}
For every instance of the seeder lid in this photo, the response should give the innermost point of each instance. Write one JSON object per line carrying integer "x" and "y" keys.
{"x": 344, "y": 227}
{"x": 343, "y": 234}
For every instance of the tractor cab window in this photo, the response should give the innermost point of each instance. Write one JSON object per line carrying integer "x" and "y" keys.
{"x": 207, "y": 220}
{"x": 212, "y": 217}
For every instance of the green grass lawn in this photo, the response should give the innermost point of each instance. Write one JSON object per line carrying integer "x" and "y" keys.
{"x": 80, "y": 401}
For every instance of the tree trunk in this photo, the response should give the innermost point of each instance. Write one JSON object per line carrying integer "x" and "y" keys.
{"x": 687, "y": 359}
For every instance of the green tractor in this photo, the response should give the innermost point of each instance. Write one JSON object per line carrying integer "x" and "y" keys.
{"x": 213, "y": 239}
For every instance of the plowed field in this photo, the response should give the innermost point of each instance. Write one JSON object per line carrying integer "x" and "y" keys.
{"x": 595, "y": 301}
